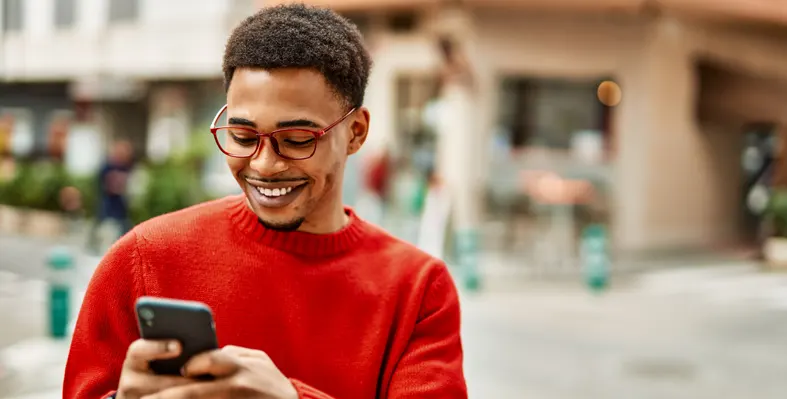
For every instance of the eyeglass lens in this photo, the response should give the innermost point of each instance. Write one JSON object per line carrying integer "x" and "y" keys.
{"x": 293, "y": 144}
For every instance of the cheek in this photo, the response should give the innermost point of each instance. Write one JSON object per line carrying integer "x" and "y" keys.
{"x": 331, "y": 177}
{"x": 325, "y": 178}
{"x": 236, "y": 164}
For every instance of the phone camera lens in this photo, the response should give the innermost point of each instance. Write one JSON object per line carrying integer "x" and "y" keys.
{"x": 146, "y": 314}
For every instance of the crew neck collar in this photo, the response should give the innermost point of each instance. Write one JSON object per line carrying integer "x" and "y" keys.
{"x": 297, "y": 242}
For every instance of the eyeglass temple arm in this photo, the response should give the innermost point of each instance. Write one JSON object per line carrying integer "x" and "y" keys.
{"x": 339, "y": 121}
{"x": 216, "y": 118}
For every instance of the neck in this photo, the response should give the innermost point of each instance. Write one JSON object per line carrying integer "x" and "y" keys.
{"x": 322, "y": 222}
{"x": 329, "y": 215}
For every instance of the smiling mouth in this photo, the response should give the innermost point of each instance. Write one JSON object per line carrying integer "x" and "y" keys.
{"x": 276, "y": 194}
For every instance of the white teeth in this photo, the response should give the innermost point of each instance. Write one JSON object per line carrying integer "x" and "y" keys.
{"x": 276, "y": 192}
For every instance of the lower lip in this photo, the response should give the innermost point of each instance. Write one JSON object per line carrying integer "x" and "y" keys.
{"x": 276, "y": 202}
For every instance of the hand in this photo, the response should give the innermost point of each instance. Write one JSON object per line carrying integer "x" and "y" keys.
{"x": 136, "y": 378}
{"x": 239, "y": 373}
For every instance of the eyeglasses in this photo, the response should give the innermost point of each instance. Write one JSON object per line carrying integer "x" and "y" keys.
{"x": 245, "y": 142}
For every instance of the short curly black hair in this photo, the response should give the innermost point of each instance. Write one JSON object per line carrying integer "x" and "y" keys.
{"x": 300, "y": 36}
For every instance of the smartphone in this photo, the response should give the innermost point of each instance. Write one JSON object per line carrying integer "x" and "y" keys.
{"x": 189, "y": 322}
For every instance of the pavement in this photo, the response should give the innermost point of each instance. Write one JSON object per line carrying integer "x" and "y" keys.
{"x": 708, "y": 331}
{"x": 641, "y": 341}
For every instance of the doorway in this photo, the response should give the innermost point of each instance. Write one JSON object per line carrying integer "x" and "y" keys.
{"x": 758, "y": 163}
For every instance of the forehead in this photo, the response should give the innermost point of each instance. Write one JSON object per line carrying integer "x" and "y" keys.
{"x": 281, "y": 90}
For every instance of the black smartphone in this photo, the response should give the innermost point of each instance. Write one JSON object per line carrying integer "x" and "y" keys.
{"x": 189, "y": 322}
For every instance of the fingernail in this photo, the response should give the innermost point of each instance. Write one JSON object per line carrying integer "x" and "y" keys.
{"x": 183, "y": 371}
{"x": 172, "y": 346}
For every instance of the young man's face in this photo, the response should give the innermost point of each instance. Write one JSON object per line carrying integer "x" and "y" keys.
{"x": 309, "y": 190}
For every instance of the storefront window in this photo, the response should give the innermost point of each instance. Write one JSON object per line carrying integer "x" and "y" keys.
{"x": 549, "y": 113}
{"x": 549, "y": 176}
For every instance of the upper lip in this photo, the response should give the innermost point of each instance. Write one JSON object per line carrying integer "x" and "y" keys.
{"x": 274, "y": 185}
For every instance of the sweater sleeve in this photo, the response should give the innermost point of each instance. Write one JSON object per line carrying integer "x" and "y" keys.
{"x": 106, "y": 325}
{"x": 431, "y": 366}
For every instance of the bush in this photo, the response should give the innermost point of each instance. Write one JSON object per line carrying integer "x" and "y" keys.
{"x": 170, "y": 185}
{"x": 35, "y": 185}
{"x": 777, "y": 212}
{"x": 163, "y": 187}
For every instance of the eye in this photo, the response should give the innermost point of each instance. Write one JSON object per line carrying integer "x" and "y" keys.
{"x": 243, "y": 141}
{"x": 242, "y": 137}
{"x": 295, "y": 138}
{"x": 298, "y": 142}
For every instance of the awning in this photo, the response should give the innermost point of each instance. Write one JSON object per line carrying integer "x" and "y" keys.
{"x": 768, "y": 11}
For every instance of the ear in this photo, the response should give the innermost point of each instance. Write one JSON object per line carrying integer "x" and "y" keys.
{"x": 359, "y": 129}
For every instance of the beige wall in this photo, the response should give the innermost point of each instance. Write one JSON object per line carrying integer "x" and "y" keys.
{"x": 675, "y": 182}
{"x": 692, "y": 190}
{"x": 676, "y": 165}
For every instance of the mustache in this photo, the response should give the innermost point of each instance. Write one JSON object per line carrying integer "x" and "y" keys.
{"x": 275, "y": 179}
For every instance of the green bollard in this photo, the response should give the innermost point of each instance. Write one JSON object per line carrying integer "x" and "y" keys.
{"x": 467, "y": 251}
{"x": 595, "y": 257}
{"x": 61, "y": 263}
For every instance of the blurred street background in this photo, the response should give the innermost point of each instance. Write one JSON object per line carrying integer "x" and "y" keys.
{"x": 606, "y": 179}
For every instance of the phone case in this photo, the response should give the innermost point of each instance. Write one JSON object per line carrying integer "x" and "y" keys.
{"x": 189, "y": 322}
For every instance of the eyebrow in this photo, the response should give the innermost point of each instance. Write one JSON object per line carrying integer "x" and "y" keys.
{"x": 279, "y": 125}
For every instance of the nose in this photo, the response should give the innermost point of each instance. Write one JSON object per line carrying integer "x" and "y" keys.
{"x": 266, "y": 162}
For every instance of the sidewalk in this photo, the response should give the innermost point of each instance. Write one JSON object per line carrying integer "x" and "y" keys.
{"x": 33, "y": 369}
{"x": 31, "y": 364}
{"x": 27, "y": 256}
{"x": 661, "y": 336}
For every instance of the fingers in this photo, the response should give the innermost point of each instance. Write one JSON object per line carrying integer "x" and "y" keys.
{"x": 214, "y": 390}
{"x": 135, "y": 385}
{"x": 216, "y": 363}
{"x": 244, "y": 352}
{"x": 142, "y": 351}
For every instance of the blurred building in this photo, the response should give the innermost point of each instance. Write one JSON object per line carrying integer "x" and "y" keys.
{"x": 701, "y": 82}
{"x": 698, "y": 78}
{"x": 145, "y": 70}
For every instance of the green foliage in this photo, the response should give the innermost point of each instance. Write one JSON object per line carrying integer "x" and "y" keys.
{"x": 160, "y": 187}
{"x": 777, "y": 212}
{"x": 35, "y": 185}
{"x": 173, "y": 184}
{"x": 169, "y": 186}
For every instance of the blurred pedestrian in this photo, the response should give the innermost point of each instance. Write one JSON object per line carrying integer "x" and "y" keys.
{"x": 378, "y": 177}
{"x": 112, "y": 192}
{"x": 310, "y": 301}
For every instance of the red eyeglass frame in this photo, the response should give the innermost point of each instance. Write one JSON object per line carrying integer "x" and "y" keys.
{"x": 316, "y": 133}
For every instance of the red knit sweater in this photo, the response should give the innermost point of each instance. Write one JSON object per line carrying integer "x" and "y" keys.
{"x": 353, "y": 314}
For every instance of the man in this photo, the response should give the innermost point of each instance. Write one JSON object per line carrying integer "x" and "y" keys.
{"x": 112, "y": 185}
{"x": 310, "y": 301}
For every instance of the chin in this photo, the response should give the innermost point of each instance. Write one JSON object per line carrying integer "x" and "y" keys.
{"x": 283, "y": 218}
{"x": 290, "y": 225}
